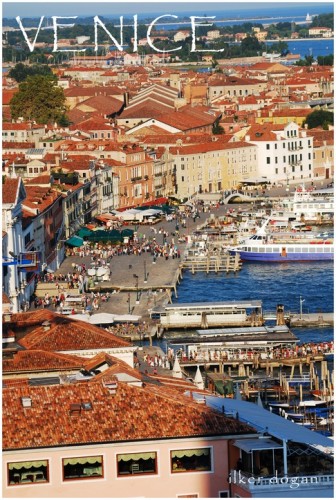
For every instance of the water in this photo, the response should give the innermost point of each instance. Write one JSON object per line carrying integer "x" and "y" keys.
{"x": 311, "y": 47}
{"x": 273, "y": 284}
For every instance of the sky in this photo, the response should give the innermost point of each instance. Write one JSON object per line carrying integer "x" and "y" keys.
{"x": 90, "y": 8}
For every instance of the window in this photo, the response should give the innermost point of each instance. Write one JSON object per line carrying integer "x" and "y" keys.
{"x": 267, "y": 146}
{"x": 82, "y": 467}
{"x": 198, "y": 459}
{"x": 268, "y": 160}
{"x": 137, "y": 463}
{"x": 28, "y": 472}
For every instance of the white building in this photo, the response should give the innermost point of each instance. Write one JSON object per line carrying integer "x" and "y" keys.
{"x": 13, "y": 194}
{"x": 285, "y": 152}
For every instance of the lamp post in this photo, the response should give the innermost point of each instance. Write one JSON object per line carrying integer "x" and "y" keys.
{"x": 145, "y": 272}
{"x": 129, "y": 303}
{"x": 137, "y": 287}
{"x": 287, "y": 183}
{"x": 301, "y": 302}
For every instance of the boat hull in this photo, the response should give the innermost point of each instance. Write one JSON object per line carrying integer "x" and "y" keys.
{"x": 288, "y": 257}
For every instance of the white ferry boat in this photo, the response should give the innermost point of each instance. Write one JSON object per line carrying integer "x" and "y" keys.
{"x": 210, "y": 314}
{"x": 266, "y": 247}
{"x": 311, "y": 205}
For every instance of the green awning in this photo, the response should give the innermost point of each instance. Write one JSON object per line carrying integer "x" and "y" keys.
{"x": 219, "y": 387}
{"x": 75, "y": 241}
{"x": 84, "y": 231}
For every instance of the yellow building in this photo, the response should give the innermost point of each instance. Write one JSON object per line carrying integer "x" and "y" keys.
{"x": 212, "y": 167}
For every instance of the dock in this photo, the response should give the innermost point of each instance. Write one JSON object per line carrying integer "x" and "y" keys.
{"x": 213, "y": 263}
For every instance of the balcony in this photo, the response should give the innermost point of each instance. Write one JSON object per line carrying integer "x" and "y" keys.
{"x": 135, "y": 179}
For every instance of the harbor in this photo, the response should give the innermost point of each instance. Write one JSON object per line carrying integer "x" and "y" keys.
{"x": 245, "y": 335}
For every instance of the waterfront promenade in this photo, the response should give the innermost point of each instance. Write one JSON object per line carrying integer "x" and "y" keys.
{"x": 128, "y": 272}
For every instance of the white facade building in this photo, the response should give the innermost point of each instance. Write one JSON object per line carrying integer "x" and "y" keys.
{"x": 285, "y": 152}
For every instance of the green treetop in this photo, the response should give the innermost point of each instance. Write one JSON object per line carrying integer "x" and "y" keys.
{"x": 39, "y": 99}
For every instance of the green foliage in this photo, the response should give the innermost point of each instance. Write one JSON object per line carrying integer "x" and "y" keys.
{"x": 39, "y": 99}
{"x": 217, "y": 129}
{"x": 307, "y": 61}
{"x": 21, "y": 71}
{"x": 326, "y": 60}
{"x": 250, "y": 45}
{"x": 323, "y": 20}
{"x": 320, "y": 118}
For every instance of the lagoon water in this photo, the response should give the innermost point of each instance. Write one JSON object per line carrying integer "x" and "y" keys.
{"x": 273, "y": 284}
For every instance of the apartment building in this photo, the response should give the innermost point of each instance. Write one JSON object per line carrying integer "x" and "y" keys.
{"x": 212, "y": 167}
{"x": 285, "y": 152}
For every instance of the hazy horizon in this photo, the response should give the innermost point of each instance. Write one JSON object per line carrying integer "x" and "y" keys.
{"x": 83, "y": 8}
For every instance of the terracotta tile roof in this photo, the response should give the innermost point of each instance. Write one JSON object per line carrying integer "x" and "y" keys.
{"x": 21, "y": 126}
{"x": 207, "y": 147}
{"x": 80, "y": 91}
{"x": 40, "y": 179}
{"x": 104, "y": 104}
{"x": 320, "y": 136}
{"x": 7, "y": 95}
{"x": 65, "y": 334}
{"x": 232, "y": 81}
{"x": 38, "y": 360}
{"x": 39, "y": 197}
{"x": 10, "y": 190}
{"x": 93, "y": 123}
{"x": 132, "y": 413}
{"x": 17, "y": 145}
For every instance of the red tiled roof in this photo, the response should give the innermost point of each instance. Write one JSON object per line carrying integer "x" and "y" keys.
{"x": 104, "y": 104}
{"x": 205, "y": 148}
{"x": 17, "y": 145}
{"x": 132, "y": 413}
{"x": 20, "y": 126}
{"x": 7, "y": 95}
{"x": 10, "y": 190}
{"x": 68, "y": 335}
{"x": 38, "y": 360}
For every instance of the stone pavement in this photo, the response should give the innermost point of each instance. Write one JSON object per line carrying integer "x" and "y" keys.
{"x": 159, "y": 274}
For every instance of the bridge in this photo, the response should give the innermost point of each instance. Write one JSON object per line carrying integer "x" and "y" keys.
{"x": 243, "y": 196}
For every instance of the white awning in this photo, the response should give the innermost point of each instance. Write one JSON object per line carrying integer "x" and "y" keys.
{"x": 249, "y": 445}
{"x": 102, "y": 319}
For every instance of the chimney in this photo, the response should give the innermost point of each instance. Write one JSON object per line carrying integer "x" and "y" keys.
{"x": 26, "y": 401}
{"x": 247, "y": 138}
{"x": 46, "y": 325}
{"x": 126, "y": 99}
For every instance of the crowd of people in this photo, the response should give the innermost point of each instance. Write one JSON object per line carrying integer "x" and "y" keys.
{"x": 298, "y": 351}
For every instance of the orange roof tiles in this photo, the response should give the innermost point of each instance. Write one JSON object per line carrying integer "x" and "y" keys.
{"x": 10, "y": 190}
{"x": 132, "y": 413}
{"x": 205, "y": 148}
{"x": 38, "y": 360}
{"x": 66, "y": 335}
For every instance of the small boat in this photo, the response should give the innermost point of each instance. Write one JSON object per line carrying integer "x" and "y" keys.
{"x": 263, "y": 247}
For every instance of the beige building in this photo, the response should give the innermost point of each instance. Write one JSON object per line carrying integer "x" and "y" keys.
{"x": 233, "y": 86}
{"x": 212, "y": 167}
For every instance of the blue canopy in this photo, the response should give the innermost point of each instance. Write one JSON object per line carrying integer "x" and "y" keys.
{"x": 265, "y": 421}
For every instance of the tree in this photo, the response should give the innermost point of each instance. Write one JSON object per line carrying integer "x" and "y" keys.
{"x": 39, "y": 99}
{"x": 217, "y": 129}
{"x": 325, "y": 60}
{"x": 250, "y": 45}
{"x": 319, "y": 118}
{"x": 21, "y": 71}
